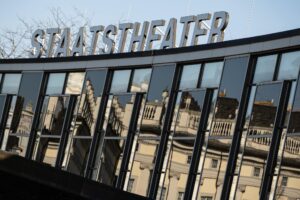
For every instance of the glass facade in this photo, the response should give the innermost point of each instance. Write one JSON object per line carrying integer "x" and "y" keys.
{"x": 211, "y": 129}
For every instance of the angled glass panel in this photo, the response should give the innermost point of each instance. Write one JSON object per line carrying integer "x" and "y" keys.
{"x": 289, "y": 65}
{"x": 11, "y": 83}
{"x": 265, "y": 68}
{"x": 120, "y": 81}
{"x": 56, "y": 83}
{"x": 230, "y": 93}
{"x": 178, "y": 169}
{"x": 74, "y": 83}
{"x": 140, "y": 81}
{"x": 46, "y": 150}
{"x": 52, "y": 115}
{"x": 143, "y": 165}
{"x": 111, "y": 158}
{"x": 16, "y": 144}
{"x": 157, "y": 99}
{"x": 288, "y": 183}
{"x": 212, "y": 74}
{"x": 294, "y": 125}
{"x": 78, "y": 155}
{"x": 190, "y": 76}
{"x": 213, "y": 169}
{"x": 189, "y": 113}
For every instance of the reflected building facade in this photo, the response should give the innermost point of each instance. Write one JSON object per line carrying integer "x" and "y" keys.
{"x": 221, "y": 123}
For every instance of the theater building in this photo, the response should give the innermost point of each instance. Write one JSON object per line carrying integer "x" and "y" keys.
{"x": 205, "y": 122}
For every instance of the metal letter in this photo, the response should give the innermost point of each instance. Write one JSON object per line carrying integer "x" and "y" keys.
{"x": 169, "y": 40}
{"x": 217, "y": 32}
{"x": 79, "y": 44}
{"x": 152, "y": 36}
{"x": 38, "y": 46}
{"x": 186, "y": 28}
{"x": 124, "y": 29}
{"x": 110, "y": 43}
{"x": 198, "y": 30}
{"x": 63, "y": 48}
{"x": 135, "y": 37}
{"x": 95, "y": 34}
{"x": 52, "y": 35}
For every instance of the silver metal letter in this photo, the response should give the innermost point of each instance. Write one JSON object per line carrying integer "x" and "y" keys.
{"x": 169, "y": 40}
{"x": 63, "y": 47}
{"x": 79, "y": 44}
{"x": 124, "y": 29}
{"x": 95, "y": 35}
{"x": 136, "y": 38}
{"x": 199, "y": 30}
{"x": 152, "y": 36}
{"x": 38, "y": 46}
{"x": 52, "y": 32}
{"x": 186, "y": 28}
{"x": 110, "y": 43}
{"x": 217, "y": 31}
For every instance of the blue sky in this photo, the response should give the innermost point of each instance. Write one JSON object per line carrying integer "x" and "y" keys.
{"x": 247, "y": 17}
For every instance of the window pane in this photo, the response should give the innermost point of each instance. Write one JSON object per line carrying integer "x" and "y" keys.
{"x": 55, "y": 83}
{"x": 94, "y": 82}
{"x": 140, "y": 82}
{"x": 120, "y": 81}
{"x": 143, "y": 164}
{"x": 189, "y": 113}
{"x": 77, "y": 159}
{"x": 11, "y": 83}
{"x": 46, "y": 150}
{"x": 190, "y": 76}
{"x": 178, "y": 169}
{"x": 111, "y": 157}
{"x": 212, "y": 74}
{"x": 52, "y": 115}
{"x": 16, "y": 144}
{"x": 265, "y": 67}
{"x": 74, "y": 83}
{"x": 294, "y": 125}
{"x": 289, "y": 66}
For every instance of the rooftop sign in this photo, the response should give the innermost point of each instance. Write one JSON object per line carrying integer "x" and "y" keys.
{"x": 141, "y": 38}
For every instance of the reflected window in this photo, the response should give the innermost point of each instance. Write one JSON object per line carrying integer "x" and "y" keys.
{"x": 256, "y": 171}
{"x": 214, "y": 163}
{"x": 284, "y": 181}
{"x": 74, "y": 83}
{"x": 289, "y": 65}
{"x": 212, "y": 74}
{"x": 120, "y": 81}
{"x": 130, "y": 185}
{"x": 11, "y": 83}
{"x": 190, "y": 76}
{"x": 140, "y": 81}
{"x": 265, "y": 67}
{"x": 55, "y": 83}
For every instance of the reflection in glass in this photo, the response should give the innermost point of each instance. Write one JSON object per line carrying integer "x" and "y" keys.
{"x": 211, "y": 74}
{"x": 16, "y": 144}
{"x": 265, "y": 67}
{"x": 55, "y": 83}
{"x": 46, "y": 150}
{"x": 140, "y": 81}
{"x": 143, "y": 165}
{"x": 120, "y": 115}
{"x": 11, "y": 83}
{"x": 190, "y": 76}
{"x": 178, "y": 168}
{"x": 289, "y": 65}
{"x": 294, "y": 125}
{"x": 288, "y": 184}
{"x": 230, "y": 93}
{"x": 213, "y": 169}
{"x": 157, "y": 99}
{"x": 189, "y": 113}
{"x": 52, "y": 115}
{"x": 78, "y": 155}
{"x": 120, "y": 81}
{"x": 74, "y": 83}
{"x": 111, "y": 157}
